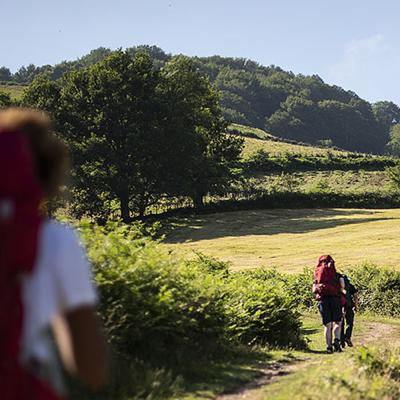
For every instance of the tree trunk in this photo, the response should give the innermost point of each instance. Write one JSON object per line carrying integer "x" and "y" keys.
{"x": 124, "y": 204}
{"x": 198, "y": 201}
{"x": 142, "y": 210}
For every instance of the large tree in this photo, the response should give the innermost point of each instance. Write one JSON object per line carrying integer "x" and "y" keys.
{"x": 206, "y": 152}
{"x": 110, "y": 116}
{"x": 137, "y": 134}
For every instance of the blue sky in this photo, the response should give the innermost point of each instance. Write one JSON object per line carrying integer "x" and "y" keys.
{"x": 352, "y": 43}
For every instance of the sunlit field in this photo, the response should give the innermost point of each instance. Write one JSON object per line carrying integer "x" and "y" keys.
{"x": 251, "y": 146}
{"x": 15, "y": 91}
{"x": 291, "y": 239}
{"x": 337, "y": 181}
{"x": 265, "y": 142}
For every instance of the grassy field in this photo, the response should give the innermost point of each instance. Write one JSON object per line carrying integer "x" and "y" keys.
{"x": 252, "y": 145}
{"x": 15, "y": 91}
{"x": 291, "y": 239}
{"x": 337, "y": 181}
{"x": 267, "y": 142}
{"x": 249, "y": 131}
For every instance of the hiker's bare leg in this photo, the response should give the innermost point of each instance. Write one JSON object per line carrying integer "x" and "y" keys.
{"x": 328, "y": 333}
{"x": 336, "y": 330}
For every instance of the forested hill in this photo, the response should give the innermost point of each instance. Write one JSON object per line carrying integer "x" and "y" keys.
{"x": 298, "y": 107}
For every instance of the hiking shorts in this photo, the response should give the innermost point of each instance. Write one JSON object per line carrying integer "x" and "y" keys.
{"x": 330, "y": 309}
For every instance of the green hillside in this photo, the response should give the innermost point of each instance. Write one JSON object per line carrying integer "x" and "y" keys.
{"x": 277, "y": 165}
{"x": 297, "y": 107}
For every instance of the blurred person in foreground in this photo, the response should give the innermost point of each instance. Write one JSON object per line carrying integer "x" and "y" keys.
{"x": 47, "y": 299}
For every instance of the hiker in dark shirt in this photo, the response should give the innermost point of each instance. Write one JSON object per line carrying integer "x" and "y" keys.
{"x": 348, "y": 312}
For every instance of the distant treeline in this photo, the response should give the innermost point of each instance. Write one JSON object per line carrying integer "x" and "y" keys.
{"x": 298, "y": 107}
{"x": 296, "y": 199}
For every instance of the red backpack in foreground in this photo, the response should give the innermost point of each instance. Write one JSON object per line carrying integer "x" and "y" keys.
{"x": 20, "y": 221}
{"x": 326, "y": 280}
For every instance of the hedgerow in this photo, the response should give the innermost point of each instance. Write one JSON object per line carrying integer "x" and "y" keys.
{"x": 261, "y": 161}
{"x": 379, "y": 289}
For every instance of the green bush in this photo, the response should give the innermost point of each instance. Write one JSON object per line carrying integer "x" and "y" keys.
{"x": 164, "y": 316}
{"x": 379, "y": 289}
{"x": 309, "y": 200}
{"x": 377, "y": 376}
{"x": 168, "y": 312}
{"x": 300, "y": 286}
{"x": 262, "y": 310}
{"x": 155, "y": 307}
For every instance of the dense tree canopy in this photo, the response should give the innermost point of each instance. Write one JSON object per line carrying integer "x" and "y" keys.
{"x": 138, "y": 134}
{"x": 386, "y": 113}
{"x": 293, "y": 106}
{"x": 206, "y": 152}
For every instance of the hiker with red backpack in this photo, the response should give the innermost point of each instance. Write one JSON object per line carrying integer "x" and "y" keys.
{"x": 47, "y": 301}
{"x": 328, "y": 288}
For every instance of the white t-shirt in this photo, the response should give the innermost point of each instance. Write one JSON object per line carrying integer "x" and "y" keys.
{"x": 61, "y": 281}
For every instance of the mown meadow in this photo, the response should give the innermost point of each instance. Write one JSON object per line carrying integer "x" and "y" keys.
{"x": 15, "y": 91}
{"x": 290, "y": 239}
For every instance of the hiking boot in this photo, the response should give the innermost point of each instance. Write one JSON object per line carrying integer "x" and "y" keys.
{"x": 349, "y": 342}
{"x": 336, "y": 346}
{"x": 343, "y": 344}
{"x": 329, "y": 349}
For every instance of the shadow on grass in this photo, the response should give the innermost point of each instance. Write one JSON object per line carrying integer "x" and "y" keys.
{"x": 247, "y": 369}
{"x": 309, "y": 331}
{"x": 229, "y": 375}
{"x": 312, "y": 351}
{"x": 265, "y": 222}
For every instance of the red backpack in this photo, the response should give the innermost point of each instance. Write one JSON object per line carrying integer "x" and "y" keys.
{"x": 326, "y": 282}
{"x": 20, "y": 221}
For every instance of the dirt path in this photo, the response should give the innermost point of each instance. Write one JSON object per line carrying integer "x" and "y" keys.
{"x": 379, "y": 332}
{"x": 253, "y": 390}
{"x": 374, "y": 332}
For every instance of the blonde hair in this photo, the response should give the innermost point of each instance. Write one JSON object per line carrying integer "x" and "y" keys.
{"x": 48, "y": 151}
